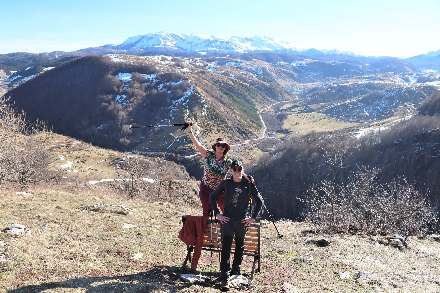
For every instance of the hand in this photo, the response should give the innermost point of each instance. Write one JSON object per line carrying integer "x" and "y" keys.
{"x": 188, "y": 125}
{"x": 222, "y": 218}
{"x": 249, "y": 178}
{"x": 248, "y": 221}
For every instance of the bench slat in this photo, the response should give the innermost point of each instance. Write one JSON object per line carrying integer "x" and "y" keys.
{"x": 251, "y": 242}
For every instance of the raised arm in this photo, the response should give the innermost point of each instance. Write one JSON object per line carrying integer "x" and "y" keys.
{"x": 200, "y": 148}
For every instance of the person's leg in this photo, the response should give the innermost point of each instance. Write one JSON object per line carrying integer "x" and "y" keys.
{"x": 240, "y": 233}
{"x": 227, "y": 238}
{"x": 204, "y": 193}
{"x": 225, "y": 266}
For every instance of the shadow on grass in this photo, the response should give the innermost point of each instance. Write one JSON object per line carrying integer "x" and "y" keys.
{"x": 160, "y": 278}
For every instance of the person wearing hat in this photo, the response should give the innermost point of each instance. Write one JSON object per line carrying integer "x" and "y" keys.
{"x": 236, "y": 217}
{"x": 215, "y": 169}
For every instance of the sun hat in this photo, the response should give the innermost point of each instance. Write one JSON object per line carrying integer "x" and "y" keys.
{"x": 221, "y": 140}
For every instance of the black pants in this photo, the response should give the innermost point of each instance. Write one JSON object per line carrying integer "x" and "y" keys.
{"x": 228, "y": 230}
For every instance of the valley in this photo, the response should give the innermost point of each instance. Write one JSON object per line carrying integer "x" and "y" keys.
{"x": 310, "y": 95}
{"x": 264, "y": 104}
{"x": 105, "y": 211}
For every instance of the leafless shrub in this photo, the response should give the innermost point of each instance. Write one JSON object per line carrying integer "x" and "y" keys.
{"x": 408, "y": 210}
{"x": 131, "y": 172}
{"x": 365, "y": 206}
{"x": 22, "y": 158}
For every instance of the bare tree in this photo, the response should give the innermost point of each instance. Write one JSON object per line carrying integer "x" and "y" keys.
{"x": 131, "y": 171}
{"x": 364, "y": 205}
{"x": 23, "y": 159}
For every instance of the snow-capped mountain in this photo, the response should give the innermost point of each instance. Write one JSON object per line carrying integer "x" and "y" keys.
{"x": 196, "y": 42}
{"x": 202, "y": 43}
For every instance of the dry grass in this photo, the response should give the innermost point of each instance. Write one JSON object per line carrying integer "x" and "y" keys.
{"x": 78, "y": 159}
{"x": 303, "y": 123}
{"x": 131, "y": 245}
{"x": 71, "y": 242}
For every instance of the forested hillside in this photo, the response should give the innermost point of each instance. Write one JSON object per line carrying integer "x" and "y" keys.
{"x": 409, "y": 149}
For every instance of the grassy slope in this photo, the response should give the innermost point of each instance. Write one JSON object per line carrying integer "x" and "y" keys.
{"x": 72, "y": 248}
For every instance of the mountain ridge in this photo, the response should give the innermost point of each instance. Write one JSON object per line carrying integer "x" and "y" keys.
{"x": 192, "y": 42}
{"x": 212, "y": 43}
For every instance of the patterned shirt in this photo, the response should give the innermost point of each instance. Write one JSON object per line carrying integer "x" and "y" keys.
{"x": 215, "y": 170}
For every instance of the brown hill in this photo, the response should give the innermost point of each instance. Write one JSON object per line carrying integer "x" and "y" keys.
{"x": 431, "y": 105}
{"x": 96, "y": 98}
{"x": 74, "y": 98}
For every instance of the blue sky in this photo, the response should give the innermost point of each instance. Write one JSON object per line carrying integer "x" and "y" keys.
{"x": 399, "y": 28}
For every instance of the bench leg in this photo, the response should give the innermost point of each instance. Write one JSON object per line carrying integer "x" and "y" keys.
{"x": 259, "y": 262}
{"x": 256, "y": 259}
{"x": 187, "y": 258}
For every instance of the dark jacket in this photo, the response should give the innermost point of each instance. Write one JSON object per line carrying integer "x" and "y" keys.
{"x": 236, "y": 199}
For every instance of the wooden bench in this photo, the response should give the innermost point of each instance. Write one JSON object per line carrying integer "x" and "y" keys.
{"x": 212, "y": 242}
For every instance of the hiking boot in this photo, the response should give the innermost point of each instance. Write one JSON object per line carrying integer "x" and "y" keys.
{"x": 225, "y": 285}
